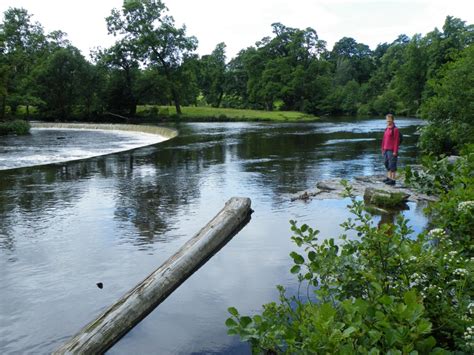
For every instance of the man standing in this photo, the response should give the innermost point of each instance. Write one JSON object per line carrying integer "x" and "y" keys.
{"x": 390, "y": 144}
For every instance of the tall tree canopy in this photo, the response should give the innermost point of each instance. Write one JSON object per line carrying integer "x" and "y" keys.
{"x": 22, "y": 45}
{"x": 156, "y": 41}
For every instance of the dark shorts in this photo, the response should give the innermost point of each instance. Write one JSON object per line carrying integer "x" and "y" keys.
{"x": 390, "y": 160}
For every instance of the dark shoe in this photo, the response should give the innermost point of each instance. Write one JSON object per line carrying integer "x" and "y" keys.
{"x": 391, "y": 182}
{"x": 385, "y": 180}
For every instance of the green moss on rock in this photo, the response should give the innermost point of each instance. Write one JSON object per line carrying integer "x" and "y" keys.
{"x": 385, "y": 198}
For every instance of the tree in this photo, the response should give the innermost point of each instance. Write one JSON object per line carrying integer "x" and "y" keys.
{"x": 23, "y": 44}
{"x": 357, "y": 59}
{"x": 278, "y": 68}
{"x": 212, "y": 75}
{"x": 123, "y": 68}
{"x": 155, "y": 39}
{"x": 380, "y": 93}
{"x": 61, "y": 81}
{"x": 411, "y": 76}
{"x": 450, "y": 110}
{"x": 236, "y": 79}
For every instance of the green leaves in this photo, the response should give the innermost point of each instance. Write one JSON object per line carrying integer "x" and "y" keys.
{"x": 233, "y": 311}
{"x": 381, "y": 293}
{"x": 230, "y": 323}
{"x": 295, "y": 269}
{"x": 298, "y": 259}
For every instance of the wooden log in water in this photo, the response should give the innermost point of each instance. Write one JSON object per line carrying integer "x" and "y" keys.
{"x": 100, "y": 334}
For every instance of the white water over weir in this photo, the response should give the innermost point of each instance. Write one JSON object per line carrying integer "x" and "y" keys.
{"x": 51, "y": 143}
{"x": 161, "y": 131}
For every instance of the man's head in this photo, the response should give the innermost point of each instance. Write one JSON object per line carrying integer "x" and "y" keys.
{"x": 389, "y": 118}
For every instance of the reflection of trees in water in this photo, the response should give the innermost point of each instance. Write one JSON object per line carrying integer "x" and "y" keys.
{"x": 150, "y": 189}
{"x": 158, "y": 187}
{"x": 27, "y": 196}
{"x": 30, "y": 196}
{"x": 154, "y": 184}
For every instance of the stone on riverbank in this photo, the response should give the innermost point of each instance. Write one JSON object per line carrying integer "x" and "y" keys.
{"x": 384, "y": 198}
{"x": 333, "y": 189}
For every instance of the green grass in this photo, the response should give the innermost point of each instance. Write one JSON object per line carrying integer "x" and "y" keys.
{"x": 193, "y": 113}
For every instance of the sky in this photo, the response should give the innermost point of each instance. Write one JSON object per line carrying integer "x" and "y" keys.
{"x": 241, "y": 23}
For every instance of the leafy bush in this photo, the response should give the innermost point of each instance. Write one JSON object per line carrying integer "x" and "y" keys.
{"x": 446, "y": 138}
{"x": 450, "y": 108}
{"x": 18, "y": 127}
{"x": 436, "y": 177}
{"x": 455, "y": 210}
{"x": 382, "y": 292}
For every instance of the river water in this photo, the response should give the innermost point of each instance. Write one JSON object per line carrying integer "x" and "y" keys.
{"x": 115, "y": 218}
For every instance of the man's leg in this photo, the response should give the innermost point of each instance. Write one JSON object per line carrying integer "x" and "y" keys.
{"x": 386, "y": 162}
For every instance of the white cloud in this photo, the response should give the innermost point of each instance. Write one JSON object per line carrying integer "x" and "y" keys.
{"x": 241, "y": 23}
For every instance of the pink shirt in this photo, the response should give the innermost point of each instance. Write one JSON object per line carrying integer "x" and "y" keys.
{"x": 391, "y": 139}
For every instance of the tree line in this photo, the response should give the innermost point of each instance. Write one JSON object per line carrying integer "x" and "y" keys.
{"x": 153, "y": 62}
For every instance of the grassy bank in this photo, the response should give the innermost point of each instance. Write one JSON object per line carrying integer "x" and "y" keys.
{"x": 151, "y": 113}
{"x": 191, "y": 113}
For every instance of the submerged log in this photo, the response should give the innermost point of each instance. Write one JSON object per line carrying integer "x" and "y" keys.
{"x": 100, "y": 334}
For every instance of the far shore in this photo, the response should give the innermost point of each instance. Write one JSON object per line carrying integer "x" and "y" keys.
{"x": 156, "y": 114}
{"x": 206, "y": 113}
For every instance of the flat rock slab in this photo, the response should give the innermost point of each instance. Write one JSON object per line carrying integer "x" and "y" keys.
{"x": 333, "y": 189}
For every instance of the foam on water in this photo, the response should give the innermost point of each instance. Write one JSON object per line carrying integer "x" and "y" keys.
{"x": 59, "y": 145}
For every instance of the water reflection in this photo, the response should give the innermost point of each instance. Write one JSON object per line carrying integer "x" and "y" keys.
{"x": 114, "y": 219}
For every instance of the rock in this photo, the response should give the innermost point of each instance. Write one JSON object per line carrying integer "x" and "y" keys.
{"x": 305, "y": 196}
{"x": 385, "y": 198}
{"x": 333, "y": 189}
{"x": 325, "y": 186}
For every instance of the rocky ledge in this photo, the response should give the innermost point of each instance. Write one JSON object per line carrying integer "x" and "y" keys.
{"x": 333, "y": 188}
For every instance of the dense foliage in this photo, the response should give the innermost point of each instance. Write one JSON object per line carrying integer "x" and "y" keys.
{"x": 153, "y": 63}
{"x": 380, "y": 291}
{"x": 450, "y": 109}
{"x": 18, "y": 127}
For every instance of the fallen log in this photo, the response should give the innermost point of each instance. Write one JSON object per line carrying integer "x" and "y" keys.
{"x": 117, "y": 115}
{"x": 100, "y": 334}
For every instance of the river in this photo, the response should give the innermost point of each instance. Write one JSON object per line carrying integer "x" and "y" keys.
{"x": 115, "y": 218}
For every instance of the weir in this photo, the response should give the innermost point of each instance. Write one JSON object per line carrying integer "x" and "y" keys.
{"x": 162, "y": 131}
{"x": 52, "y": 142}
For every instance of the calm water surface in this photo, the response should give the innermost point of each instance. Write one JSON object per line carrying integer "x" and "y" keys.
{"x": 116, "y": 218}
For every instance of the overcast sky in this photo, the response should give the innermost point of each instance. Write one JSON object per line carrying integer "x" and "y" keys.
{"x": 240, "y": 23}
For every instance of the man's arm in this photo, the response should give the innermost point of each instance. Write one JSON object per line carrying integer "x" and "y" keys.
{"x": 396, "y": 136}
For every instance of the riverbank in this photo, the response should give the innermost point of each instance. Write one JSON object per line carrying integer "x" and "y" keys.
{"x": 156, "y": 114}
{"x": 205, "y": 114}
